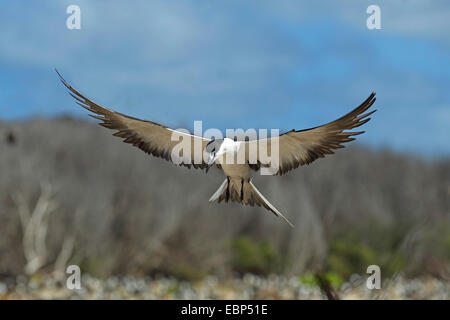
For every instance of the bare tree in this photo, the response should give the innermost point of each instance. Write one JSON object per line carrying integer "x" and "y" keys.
{"x": 34, "y": 222}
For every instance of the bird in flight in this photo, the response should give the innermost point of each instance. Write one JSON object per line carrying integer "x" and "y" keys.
{"x": 295, "y": 148}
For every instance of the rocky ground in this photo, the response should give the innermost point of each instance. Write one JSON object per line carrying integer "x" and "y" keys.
{"x": 247, "y": 287}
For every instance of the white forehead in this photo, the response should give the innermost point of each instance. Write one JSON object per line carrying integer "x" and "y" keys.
{"x": 228, "y": 145}
{"x": 227, "y": 142}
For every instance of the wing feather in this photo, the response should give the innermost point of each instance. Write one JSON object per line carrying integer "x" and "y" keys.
{"x": 297, "y": 148}
{"x": 148, "y": 136}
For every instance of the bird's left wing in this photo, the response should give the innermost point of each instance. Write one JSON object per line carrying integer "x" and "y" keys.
{"x": 148, "y": 136}
{"x": 296, "y": 148}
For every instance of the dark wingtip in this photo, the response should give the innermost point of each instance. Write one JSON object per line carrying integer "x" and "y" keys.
{"x": 59, "y": 74}
{"x": 63, "y": 81}
{"x": 372, "y": 98}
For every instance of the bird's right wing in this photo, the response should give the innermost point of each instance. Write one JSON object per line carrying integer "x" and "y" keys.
{"x": 148, "y": 136}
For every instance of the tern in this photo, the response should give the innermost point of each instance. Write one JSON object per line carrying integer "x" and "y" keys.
{"x": 295, "y": 147}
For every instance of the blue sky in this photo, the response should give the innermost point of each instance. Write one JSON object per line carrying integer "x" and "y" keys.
{"x": 236, "y": 64}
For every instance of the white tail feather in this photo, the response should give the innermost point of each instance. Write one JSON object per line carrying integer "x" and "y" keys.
{"x": 232, "y": 194}
{"x": 219, "y": 191}
{"x": 272, "y": 208}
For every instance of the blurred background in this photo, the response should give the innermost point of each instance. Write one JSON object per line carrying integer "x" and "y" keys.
{"x": 70, "y": 193}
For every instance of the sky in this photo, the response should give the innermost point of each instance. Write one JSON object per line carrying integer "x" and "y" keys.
{"x": 236, "y": 64}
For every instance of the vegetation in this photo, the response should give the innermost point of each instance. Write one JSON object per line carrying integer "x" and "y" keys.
{"x": 250, "y": 256}
{"x": 72, "y": 193}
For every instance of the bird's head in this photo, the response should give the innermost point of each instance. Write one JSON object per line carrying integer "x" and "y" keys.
{"x": 213, "y": 151}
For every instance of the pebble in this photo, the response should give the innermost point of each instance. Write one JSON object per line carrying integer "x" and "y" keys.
{"x": 247, "y": 287}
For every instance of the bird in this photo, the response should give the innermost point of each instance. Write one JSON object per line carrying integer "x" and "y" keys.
{"x": 295, "y": 148}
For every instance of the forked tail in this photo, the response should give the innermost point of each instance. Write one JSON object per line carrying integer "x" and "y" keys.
{"x": 244, "y": 191}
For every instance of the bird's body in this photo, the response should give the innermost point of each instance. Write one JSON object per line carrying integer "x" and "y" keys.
{"x": 230, "y": 148}
{"x": 237, "y": 170}
{"x": 237, "y": 159}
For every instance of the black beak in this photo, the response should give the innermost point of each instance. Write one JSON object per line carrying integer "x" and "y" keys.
{"x": 210, "y": 163}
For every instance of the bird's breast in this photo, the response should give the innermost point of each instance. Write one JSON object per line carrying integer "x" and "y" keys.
{"x": 236, "y": 170}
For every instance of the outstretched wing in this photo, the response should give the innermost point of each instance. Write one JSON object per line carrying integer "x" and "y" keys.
{"x": 302, "y": 147}
{"x": 148, "y": 136}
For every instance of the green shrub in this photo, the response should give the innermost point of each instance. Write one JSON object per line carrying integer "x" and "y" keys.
{"x": 310, "y": 279}
{"x": 249, "y": 255}
{"x": 348, "y": 257}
